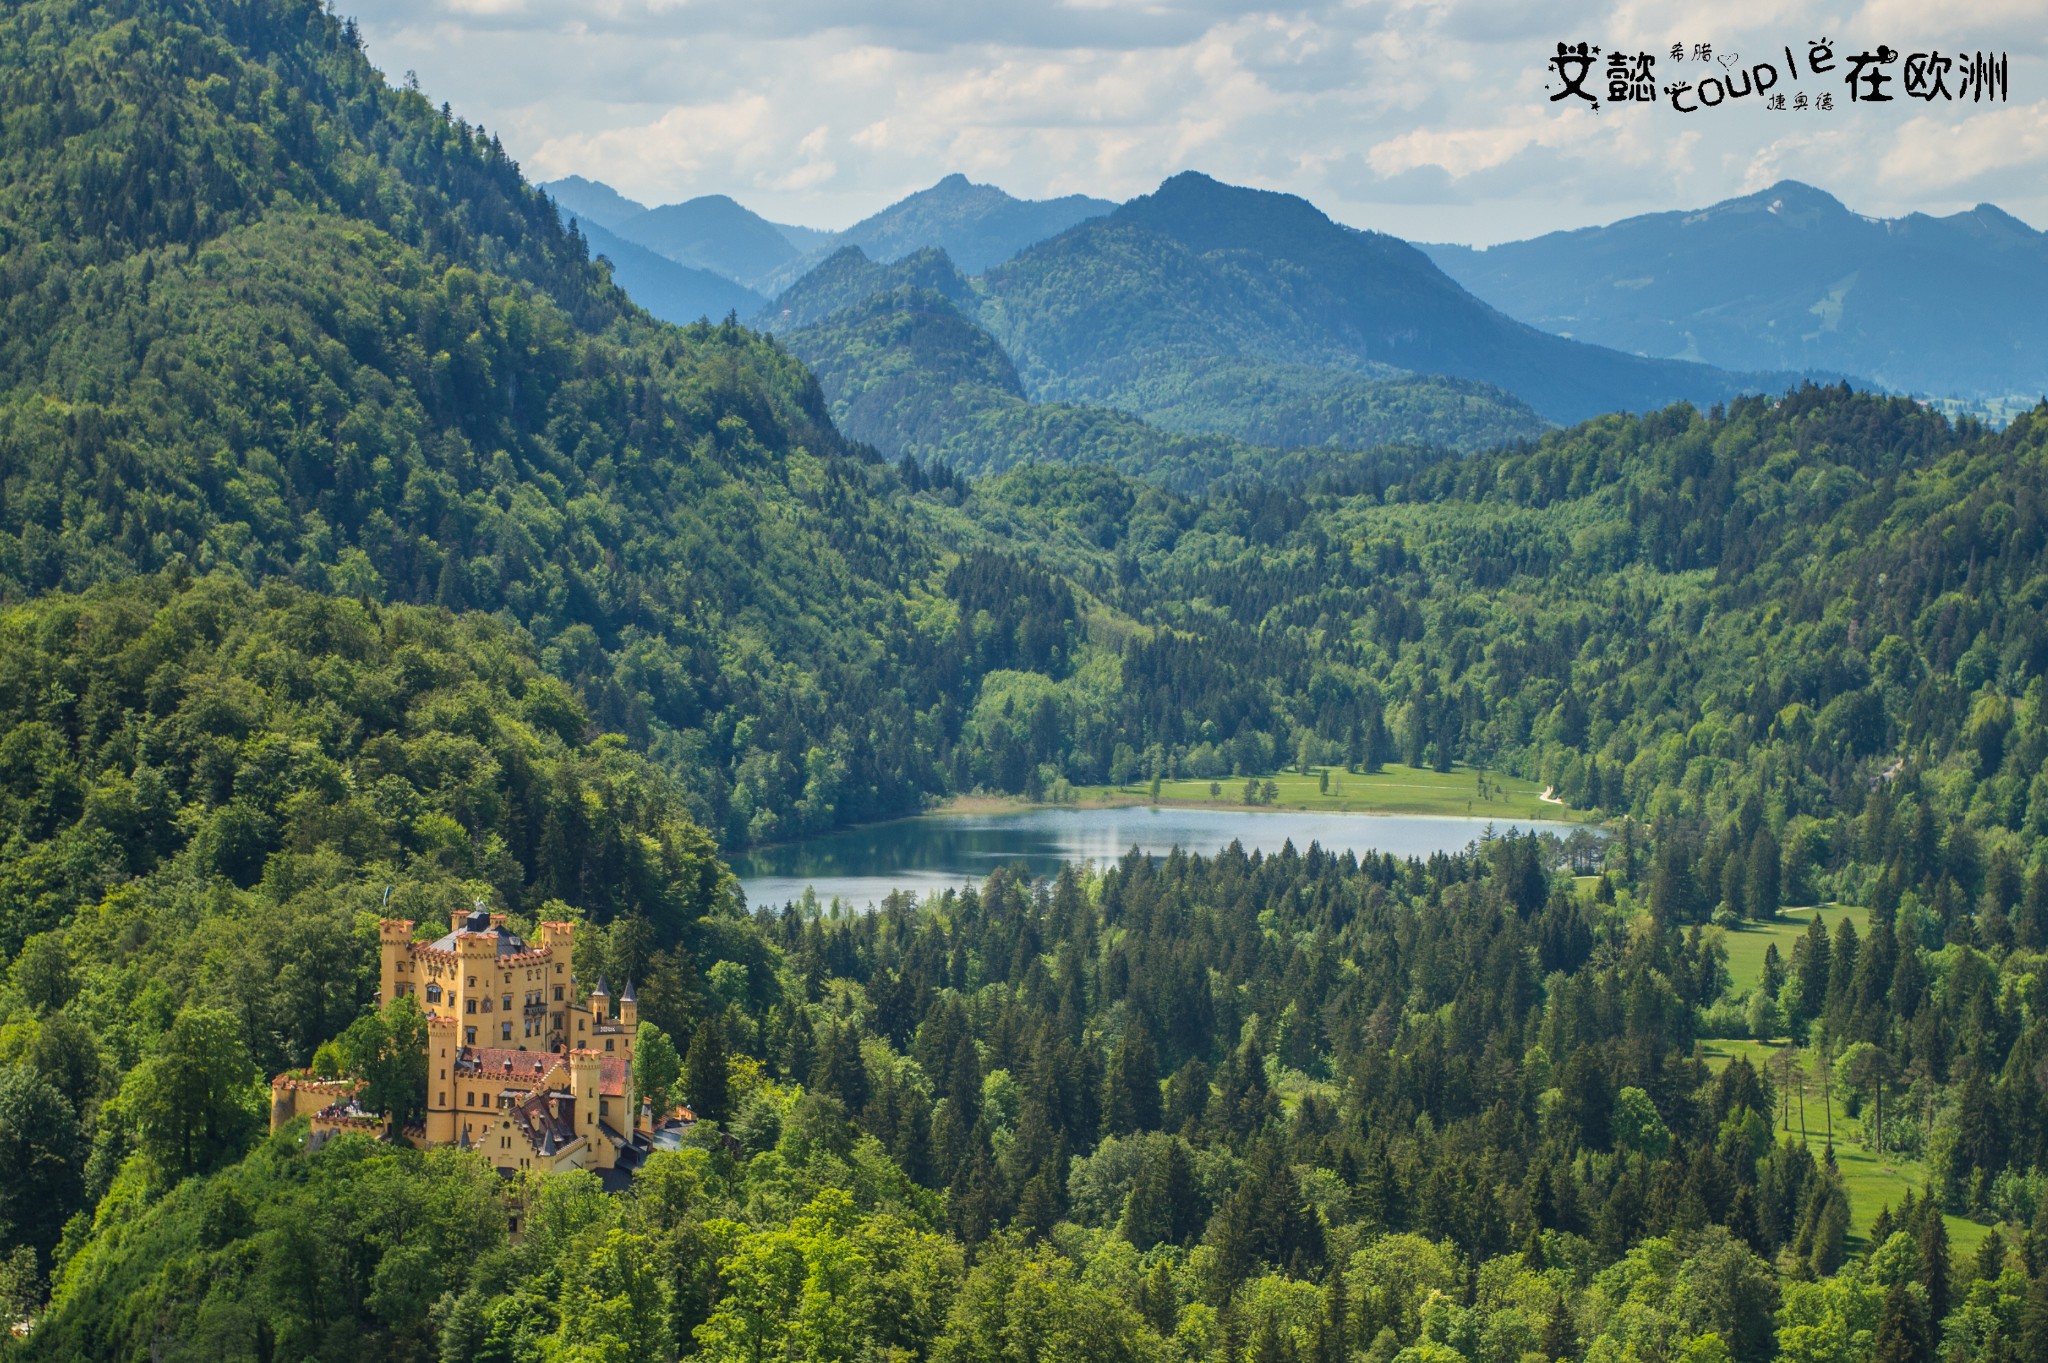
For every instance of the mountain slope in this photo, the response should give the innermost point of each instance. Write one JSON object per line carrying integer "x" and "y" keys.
{"x": 909, "y": 373}
{"x": 713, "y": 232}
{"x": 269, "y": 315}
{"x": 907, "y": 369}
{"x": 1200, "y": 270}
{"x": 1790, "y": 278}
{"x": 671, "y": 292}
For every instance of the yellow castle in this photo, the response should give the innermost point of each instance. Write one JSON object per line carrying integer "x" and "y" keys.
{"x": 517, "y": 1067}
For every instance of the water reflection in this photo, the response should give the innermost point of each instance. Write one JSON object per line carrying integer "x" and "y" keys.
{"x": 938, "y": 851}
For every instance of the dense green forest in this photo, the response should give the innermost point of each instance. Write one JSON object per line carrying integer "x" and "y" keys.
{"x": 365, "y": 552}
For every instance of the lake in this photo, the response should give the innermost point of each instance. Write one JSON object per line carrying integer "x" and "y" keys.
{"x": 942, "y": 851}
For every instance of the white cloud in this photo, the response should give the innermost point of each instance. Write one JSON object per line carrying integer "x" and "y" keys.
{"x": 1424, "y": 117}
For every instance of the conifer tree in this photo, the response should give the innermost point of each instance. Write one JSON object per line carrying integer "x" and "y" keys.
{"x": 707, "y": 1075}
{"x": 1934, "y": 1264}
{"x": 1902, "y": 1332}
{"x": 1130, "y": 1098}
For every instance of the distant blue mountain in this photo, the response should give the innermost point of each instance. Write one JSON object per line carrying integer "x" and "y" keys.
{"x": 975, "y": 225}
{"x": 672, "y": 292}
{"x": 1152, "y": 309}
{"x": 592, "y": 201}
{"x": 713, "y": 232}
{"x": 1790, "y": 278}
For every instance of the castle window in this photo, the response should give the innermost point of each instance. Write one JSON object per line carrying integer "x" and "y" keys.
{"x": 506, "y": 1034}
{"x": 558, "y": 993}
{"x": 469, "y": 1036}
{"x": 469, "y": 1006}
{"x": 508, "y": 1003}
{"x": 469, "y": 1100}
{"x": 607, "y": 1043}
{"x": 472, "y": 981}
{"x": 433, "y": 993}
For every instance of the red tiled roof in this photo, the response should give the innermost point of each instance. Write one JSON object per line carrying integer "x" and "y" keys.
{"x": 611, "y": 1076}
{"x": 490, "y": 1062}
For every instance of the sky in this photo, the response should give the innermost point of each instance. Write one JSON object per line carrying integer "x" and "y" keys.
{"x": 1431, "y": 119}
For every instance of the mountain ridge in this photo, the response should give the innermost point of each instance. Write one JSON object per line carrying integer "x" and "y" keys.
{"x": 1791, "y": 276}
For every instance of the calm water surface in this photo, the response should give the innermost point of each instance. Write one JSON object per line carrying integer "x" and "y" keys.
{"x": 941, "y": 851}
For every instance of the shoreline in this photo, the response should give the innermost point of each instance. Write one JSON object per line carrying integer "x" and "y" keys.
{"x": 961, "y": 806}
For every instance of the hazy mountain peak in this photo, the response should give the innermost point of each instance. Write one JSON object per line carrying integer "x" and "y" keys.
{"x": 713, "y": 232}
{"x": 1205, "y": 214}
{"x": 976, "y": 225}
{"x": 592, "y": 200}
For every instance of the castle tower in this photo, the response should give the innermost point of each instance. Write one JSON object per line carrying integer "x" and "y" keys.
{"x": 600, "y": 1004}
{"x": 585, "y": 1069}
{"x": 558, "y": 939}
{"x": 443, "y": 1038}
{"x": 629, "y": 1009}
{"x": 476, "y": 974}
{"x": 394, "y": 935}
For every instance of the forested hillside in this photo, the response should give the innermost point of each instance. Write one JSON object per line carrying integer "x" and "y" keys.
{"x": 367, "y": 554}
{"x": 265, "y": 313}
{"x": 1199, "y": 271}
{"x": 909, "y": 369}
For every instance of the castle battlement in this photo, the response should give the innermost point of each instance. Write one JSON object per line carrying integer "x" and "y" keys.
{"x": 518, "y": 1067}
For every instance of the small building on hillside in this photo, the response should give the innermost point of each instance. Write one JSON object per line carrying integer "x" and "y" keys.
{"x": 518, "y": 1067}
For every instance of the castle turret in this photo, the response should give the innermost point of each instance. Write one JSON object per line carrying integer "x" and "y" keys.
{"x": 629, "y": 1008}
{"x": 476, "y": 951}
{"x": 585, "y": 1072}
{"x": 394, "y": 935}
{"x": 443, "y": 1041}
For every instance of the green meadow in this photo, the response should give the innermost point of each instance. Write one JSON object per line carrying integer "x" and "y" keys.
{"x": 1748, "y": 943}
{"x": 1874, "y": 1181}
{"x": 1462, "y": 791}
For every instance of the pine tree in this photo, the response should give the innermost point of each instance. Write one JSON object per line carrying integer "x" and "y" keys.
{"x": 2034, "y": 1320}
{"x": 1038, "y": 1210}
{"x": 1333, "y": 1326}
{"x": 707, "y": 1073}
{"x": 1267, "y": 1344}
{"x": 1990, "y": 1260}
{"x": 1130, "y": 1097}
{"x": 1810, "y": 964}
{"x": 1934, "y": 1265}
{"x": 1165, "y": 1204}
{"x": 1902, "y": 1333}
{"x": 840, "y": 1069}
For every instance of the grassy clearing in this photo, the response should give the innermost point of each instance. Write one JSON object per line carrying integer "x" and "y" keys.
{"x": 1873, "y": 1180}
{"x": 1396, "y": 790}
{"x": 1747, "y": 943}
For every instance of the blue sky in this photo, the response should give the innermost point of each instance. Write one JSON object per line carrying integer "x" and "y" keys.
{"x": 1427, "y": 119}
